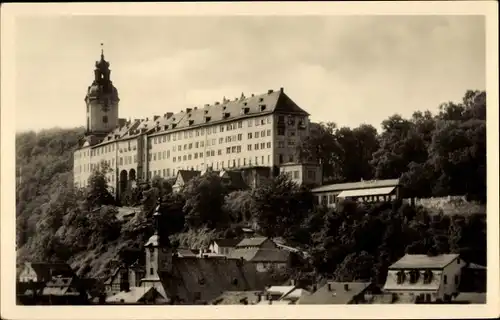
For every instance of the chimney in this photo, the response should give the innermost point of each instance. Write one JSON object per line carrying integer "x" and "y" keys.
{"x": 216, "y": 103}
{"x": 346, "y": 286}
{"x": 269, "y": 91}
{"x": 282, "y": 90}
{"x": 329, "y": 286}
{"x": 195, "y": 108}
{"x": 188, "y": 110}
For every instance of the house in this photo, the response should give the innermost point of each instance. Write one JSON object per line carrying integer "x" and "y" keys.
{"x": 309, "y": 174}
{"x": 289, "y": 293}
{"x": 371, "y": 191}
{"x": 188, "y": 279}
{"x": 184, "y": 252}
{"x": 237, "y": 297}
{"x": 137, "y": 295}
{"x": 183, "y": 177}
{"x": 262, "y": 252}
{"x": 422, "y": 278}
{"x": 43, "y": 272}
{"x": 223, "y": 246}
{"x": 339, "y": 293}
{"x": 123, "y": 277}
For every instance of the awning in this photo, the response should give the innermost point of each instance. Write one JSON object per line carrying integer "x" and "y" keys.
{"x": 366, "y": 192}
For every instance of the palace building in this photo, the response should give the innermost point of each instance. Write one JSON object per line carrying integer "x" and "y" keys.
{"x": 255, "y": 131}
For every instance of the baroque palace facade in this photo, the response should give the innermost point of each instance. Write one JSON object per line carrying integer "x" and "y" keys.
{"x": 256, "y": 131}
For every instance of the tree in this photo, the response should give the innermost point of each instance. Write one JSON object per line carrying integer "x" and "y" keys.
{"x": 204, "y": 200}
{"x": 239, "y": 204}
{"x": 97, "y": 191}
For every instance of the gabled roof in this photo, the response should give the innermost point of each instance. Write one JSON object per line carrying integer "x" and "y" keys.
{"x": 422, "y": 261}
{"x": 237, "y": 297}
{"x": 337, "y": 294}
{"x": 266, "y": 103}
{"x": 252, "y": 242}
{"x": 231, "y": 243}
{"x": 207, "y": 278}
{"x": 260, "y": 255}
{"x": 46, "y": 270}
{"x": 59, "y": 286}
{"x": 369, "y": 184}
{"x": 184, "y": 176}
{"x": 137, "y": 295}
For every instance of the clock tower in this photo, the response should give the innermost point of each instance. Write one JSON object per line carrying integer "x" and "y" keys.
{"x": 101, "y": 100}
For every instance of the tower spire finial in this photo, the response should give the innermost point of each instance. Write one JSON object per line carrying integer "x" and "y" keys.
{"x": 102, "y": 51}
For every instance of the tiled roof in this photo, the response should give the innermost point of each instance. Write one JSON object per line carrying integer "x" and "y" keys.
{"x": 252, "y": 242}
{"x": 357, "y": 185}
{"x": 260, "y": 255}
{"x": 423, "y": 261}
{"x": 58, "y": 286}
{"x": 227, "y": 242}
{"x": 136, "y": 295}
{"x": 237, "y": 297}
{"x": 228, "y": 110}
{"x": 336, "y": 295}
{"x": 209, "y": 277}
{"x": 45, "y": 270}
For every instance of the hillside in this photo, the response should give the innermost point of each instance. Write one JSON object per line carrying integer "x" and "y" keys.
{"x": 435, "y": 155}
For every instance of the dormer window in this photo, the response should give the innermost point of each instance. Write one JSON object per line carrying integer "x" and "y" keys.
{"x": 400, "y": 277}
{"x": 261, "y": 99}
{"x": 245, "y": 103}
{"x": 262, "y": 107}
{"x": 166, "y": 127}
{"x": 191, "y": 122}
{"x": 174, "y": 125}
{"x": 226, "y": 114}
{"x": 206, "y": 111}
{"x": 428, "y": 276}
{"x": 207, "y": 119}
{"x": 245, "y": 110}
{"x": 414, "y": 275}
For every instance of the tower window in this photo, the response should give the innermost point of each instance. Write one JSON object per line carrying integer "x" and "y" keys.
{"x": 105, "y": 119}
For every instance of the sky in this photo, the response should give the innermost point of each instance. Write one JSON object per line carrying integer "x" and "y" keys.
{"x": 345, "y": 69}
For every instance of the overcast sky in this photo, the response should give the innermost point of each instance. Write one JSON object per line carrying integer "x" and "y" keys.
{"x": 349, "y": 70}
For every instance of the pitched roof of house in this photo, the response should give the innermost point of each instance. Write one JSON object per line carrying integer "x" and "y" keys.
{"x": 368, "y": 184}
{"x": 136, "y": 295}
{"x": 186, "y": 175}
{"x": 183, "y": 252}
{"x": 252, "y": 242}
{"x": 208, "y": 278}
{"x": 237, "y": 297}
{"x": 274, "y": 101}
{"x": 227, "y": 242}
{"x": 260, "y": 255}
{"x": 59, "y": 286}
{"x": 46, "y": 270}
{"x": 337, "y": 294}
{"x": 422, "y": 261}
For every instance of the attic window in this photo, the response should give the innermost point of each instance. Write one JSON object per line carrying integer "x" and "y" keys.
{"x": 191, "y": 122}
{"x": 226, "y": 114}
{"x": 245, "y": 103}
{"x": 207, "y": 119}
{"x": 262, "y": 107}
{"x": 401, "y": 277}
{"x": 174, "y": 125}
{"x": 206, "y": 111}
{"x": 261, "y": 99}
{"x": 166, "y": 126}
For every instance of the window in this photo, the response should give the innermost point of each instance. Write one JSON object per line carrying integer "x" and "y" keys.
{"x": 257, "y": 134}
{"x": 219, "y": 152}
{"x": 268, "y": 133}
{"x": 280, "y": 158}
{"x": 228, "y": 150}
{"x": 240, "y": 136}
{"x": 240, "y": 124}
{"x": 249, "y": 135}
{"x": 189, "y": 157}
{"x": 269, "y": 144}
{"x": 249, "y": 123}
{"x": 295, "y": 174}
{"x": 263, "y": 145}
{"x": 221, "y": 140}
{"x": 290, "y": 158}
{"x": 445, "y": 279}
{"x": 249, "y": 147}
{"x": 184, "y": 157}
{"x": 256, "y": 147}
{"x": 401, "y": 277}
{"x": 311, "y": 174}
{"x": 233, "y": 149}
{"x": 151, "y": 271}
{"x": 190, "y": 146}
{"x": 281, "y": 131}
{"x": 238, "y": 149}
{"x": 456, "y": 279}
{"x": 105, "y": 119}
{"x": 212, "y": 153}
{"x": 257, "y": 122}
{"x": 221, "y": 128}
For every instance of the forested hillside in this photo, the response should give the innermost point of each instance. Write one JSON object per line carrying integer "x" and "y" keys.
{"x": 436, "y": 155}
